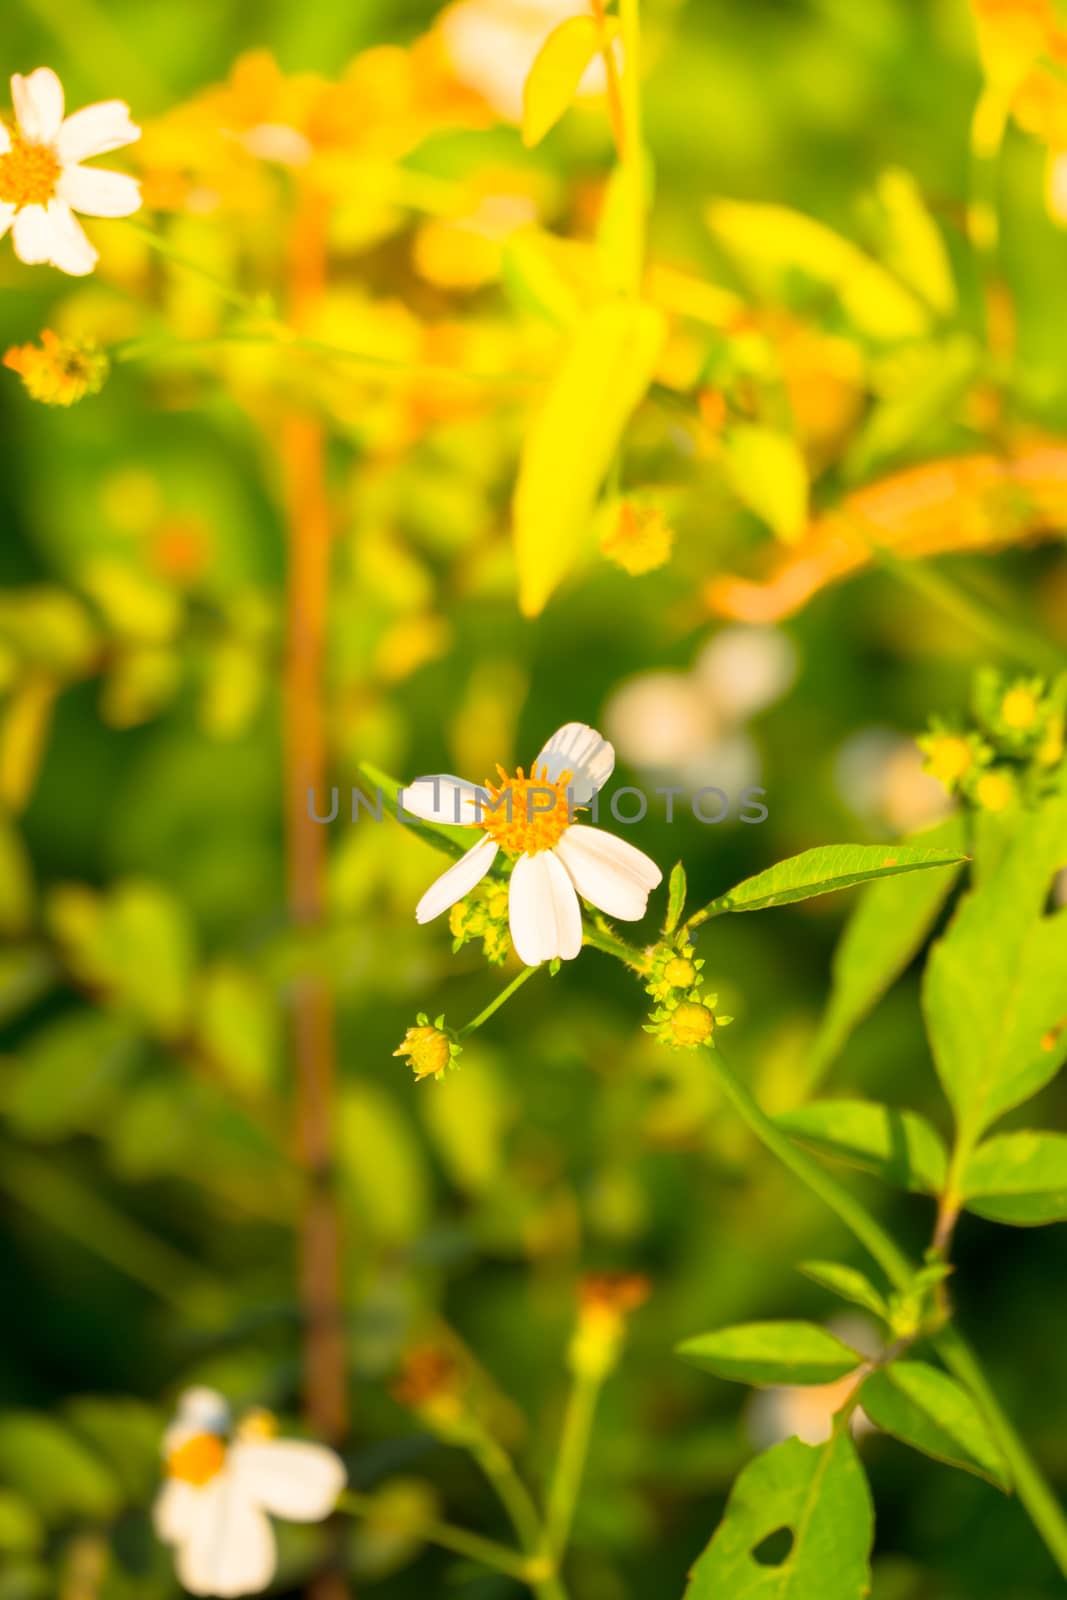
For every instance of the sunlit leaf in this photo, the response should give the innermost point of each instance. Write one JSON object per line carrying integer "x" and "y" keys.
{"x": 898, "y": 1146}
{"x": 911, "y": 243}
{"x": 931, "y": 386}
{"x": 1018, "y": 1178}
{"x": 822, "y": 871}
{"x": 768, "y": 474}
{"x": 675, "y": 898}
{"x": 69, "y": 1074}
{"x": 995, "y": 985}
{"x": 820, "y": 1495}
{"x": 847, "y": 1283}
{"x": 380, "y": 1164}
{"x": 888, "y": 927}
{"x": 468, "y": 1119}
{"x": 58, "y": 1474}
{"x": 927, "y": 1409}
{"x": 571, "y": 442}
{"x": 557, "y": 71}
{"x": 772, "y": 1353}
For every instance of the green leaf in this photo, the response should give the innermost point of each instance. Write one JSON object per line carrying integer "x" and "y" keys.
{"x": 381, "y": 1166}
{"x": 468, "y": 1119}
{"x": 848, "y": 1283}
{"x": 453, "y": 841}
{"x": 822, "y": 871}
{"x": 69, "y": 1075}
{"x": 570, "y": 446}
{"x": 237, "y": 1025}
{"x": 995, "y": 986}
{"x": 16, "y": 882}
{"x": 927, "y": 1409}
{"x": 21, "y": 1532}
{"x": 675, "y": 898}
{"x": 911, "y": 243}
{"x": 888, "y": 927}
{"x": 769, "y": 475}
{"x": 898, "y": 1146}
{"x": 772, "y": 1353}
{"x": 53, "y": 1470}
{"x": 928, "y": 386}
{"x": 553, "y": 80}
{"x": 1018, "y": 1178}
{"x": 818, "y": 1493}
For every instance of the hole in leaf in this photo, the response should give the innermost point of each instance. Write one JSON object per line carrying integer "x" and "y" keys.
{"x": 774, "y": 1549}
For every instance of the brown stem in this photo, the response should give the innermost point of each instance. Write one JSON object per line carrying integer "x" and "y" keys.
{"x": 303, "y": 461}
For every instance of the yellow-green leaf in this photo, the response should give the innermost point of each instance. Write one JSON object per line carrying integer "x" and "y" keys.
{"x": 604, "y": 376}
{"x": 912, "y": 245}
{"x": 555, "y": 75}
{"x": 768, "y": 474}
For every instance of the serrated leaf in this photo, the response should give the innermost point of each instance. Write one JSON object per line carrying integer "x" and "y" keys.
{"x": 818, "y": 1493}
{"x": 573, "y": 439}
{"x": 453, "y": 841}
{"x": 675, "y": 898}
{"x": 777, "y": 246}
{"x": 769, "y": 475}
{"x": 995, "y": 985}
{"x": 1018, "y": 1178}
{"x": 898, "y": 1146}
{"x": 927, "y": 1409}
{"x": 772, "y": 1353}
{"x": 846, "y": 1282}
{"x": 558, "y": 69}
{"x": 824, "y": 870}
{"x": 888, "y": 927}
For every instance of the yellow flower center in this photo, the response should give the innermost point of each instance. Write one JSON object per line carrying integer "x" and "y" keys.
{"x": 680, "y": 973}
{"x": 524, "y": 815}
{"x": 1019, "y": 709}
{"x": 28, "y": 173}
{"x": 950, "y": 758}
{"x": 198, "y": 1460}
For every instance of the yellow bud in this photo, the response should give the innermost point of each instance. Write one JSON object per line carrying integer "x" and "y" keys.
{"x": 638, "y": 540}
{"x": 427, "y": 1049}
{"x": 949, "y": 758}
{"x": 994, "y": 792}
{"x": 691, "y": 1024}
{"x": 1018, "y": 709}
{"x": 680, "y": 973}
{"x": 58, "y": 372}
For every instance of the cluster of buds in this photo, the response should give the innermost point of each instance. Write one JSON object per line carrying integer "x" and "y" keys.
{"x": 59, "y": 372}
{"x": 605, "y": 1302}
{"x": 684, "y": 1017}
{"x": 1017, "y": 741}
{"x": 429, "y": 1048}
{"x": 433, "y": 1385}
{"x": 483, "y": 915}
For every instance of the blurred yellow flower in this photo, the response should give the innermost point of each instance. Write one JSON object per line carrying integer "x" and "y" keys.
{"x": 59, "y": 372}
{"x": 637, "y": 538}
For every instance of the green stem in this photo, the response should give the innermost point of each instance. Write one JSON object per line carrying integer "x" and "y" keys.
{"x": 163, "y": 247}
{"x": 566, "y": 1481}
{"x": 501, "y": 999}
{"x": 522, "y": 1513}
{"x": 486, "y": 1551}
{"x": 633, "y": 150}
{"x": 601, "y": 938}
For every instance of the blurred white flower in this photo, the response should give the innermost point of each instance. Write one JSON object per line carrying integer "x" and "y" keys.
{"x": 557, "y": 859}
{"x": 220, "y": 1491}
{"x": 494, "y": 43}
{"x": 880, "y": 777}
{"x": 42, "y": 181}
{"x": 808, "y": 1413}
{"x": 688, "y": 727}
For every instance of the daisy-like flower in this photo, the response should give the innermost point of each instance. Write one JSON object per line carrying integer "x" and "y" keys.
{"x": 42, "y": 180}
{"x": 556, "y": 858}
{"x": 221, "y": 1484}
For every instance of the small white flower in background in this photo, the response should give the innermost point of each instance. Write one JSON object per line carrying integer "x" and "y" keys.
{"x": 557, "y": 859}
{"x": 221, "y": 1486}
{"x": 42, "y": 181}
{"x": 880, "y": 776}
{"x": 807, "y": 1413}
{"x": 492, "y": 44}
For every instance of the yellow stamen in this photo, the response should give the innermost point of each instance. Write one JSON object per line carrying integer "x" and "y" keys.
{"x": 198, "y": 1460}
{"x": 526, "y": 815}
{"x": 1019, "y": 709}
{"x": 28, "y": 173}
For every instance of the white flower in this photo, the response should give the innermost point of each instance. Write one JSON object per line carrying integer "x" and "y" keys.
{"x": 494, "y": 43}
{"x": 556, "y": 859}
{"x": 42, "y": 181}
{"x": 219, "y": 1490}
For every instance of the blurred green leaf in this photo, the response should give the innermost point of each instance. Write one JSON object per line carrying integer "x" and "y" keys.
{"x": 553, "y": 79}
{"x": 927, "y": 1409}
{"x": 820, "y": 1495}
{"x": 911, "y": 244}
{"x": 772, "y": 1353}
{"x": 237, "y": 1025}
{"x": 769, "y": 475}
{"x": 1018, "y": 1178}
{"x": 21, "y": 1532}
{"x": 68, "y": 1076}
{"x": 380, "y": 1164}
{"x": 847, "y": 1283}
{"x": 44, "y": 1461}
{"x": 468, "y": 1116}
{"x": 899, "y": 1146}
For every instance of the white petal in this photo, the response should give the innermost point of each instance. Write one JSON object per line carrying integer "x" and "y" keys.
{"x": 457, "y": 881}
{"x": 585, "y": 754}
{"x": 288, "y": 1478}
{"x": 7, "y": 217}
{"x": 175, "y": 1510}
{"x": 96, "y": 130}
{"x": 229, "y": 1549}
{"x": 5, "y": 140}
{"x": 442, "y": 798}
{"x": 611, "y": 874}
{"x": 32, "y": 235}
{"x": 543, "y": 910}
{"x": 98, "y": 193}
{"x": 70, "y": 250}
{"x": 38, "y": 102}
